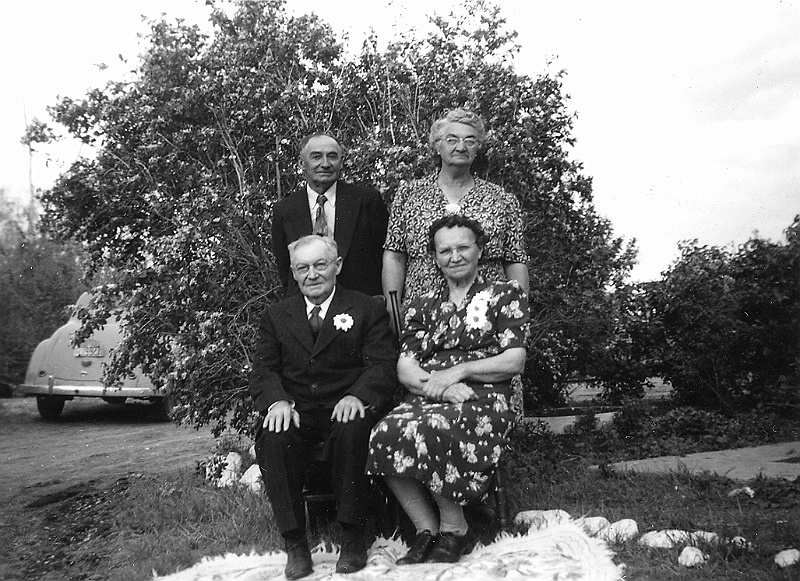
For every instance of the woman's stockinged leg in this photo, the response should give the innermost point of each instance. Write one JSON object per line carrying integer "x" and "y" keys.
{"x": 451, "y": 516}
{"x": 413, "y": 498}
{"x": 452, "y": 541}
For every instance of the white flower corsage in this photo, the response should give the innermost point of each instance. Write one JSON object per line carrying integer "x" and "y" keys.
{"x": 452, "y": 208}
{"x": 343, "y": 322}
{"x": 476, "y": 311}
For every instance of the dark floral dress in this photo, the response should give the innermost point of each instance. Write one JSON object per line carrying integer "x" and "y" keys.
{"x": 415, "y": 207}
{"x": 453, "y": 448}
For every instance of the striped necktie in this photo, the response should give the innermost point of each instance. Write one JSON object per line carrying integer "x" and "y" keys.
{"x": 321, "y": 221}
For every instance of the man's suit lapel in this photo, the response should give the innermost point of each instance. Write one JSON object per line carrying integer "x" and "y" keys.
{"x": 328, "y": 332}
{"x": 297, "y": 322}
{"x": 298, "y": 214}
{"x": 347, "y": 208}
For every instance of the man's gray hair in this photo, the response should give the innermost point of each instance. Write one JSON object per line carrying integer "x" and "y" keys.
{"x": 304, "y": 143}
{"x": 305, "y": 240}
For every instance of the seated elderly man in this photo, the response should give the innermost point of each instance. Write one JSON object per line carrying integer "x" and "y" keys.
{"x": 324, "y": 371}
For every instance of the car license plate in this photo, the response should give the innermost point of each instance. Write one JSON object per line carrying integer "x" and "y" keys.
{"x": 89, "y": 351}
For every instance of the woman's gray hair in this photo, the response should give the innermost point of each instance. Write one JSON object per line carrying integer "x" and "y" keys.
{"x": 457, "y": 116}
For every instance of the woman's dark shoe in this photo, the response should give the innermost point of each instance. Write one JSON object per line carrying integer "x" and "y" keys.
{"x": 419, "y": 550}
{"x": 448, "y": 548}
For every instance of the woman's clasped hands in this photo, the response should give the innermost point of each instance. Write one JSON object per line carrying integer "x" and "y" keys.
{"x": 447, "y": 385}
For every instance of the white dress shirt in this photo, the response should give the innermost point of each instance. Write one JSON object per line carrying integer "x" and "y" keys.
{"x": 323, "y": 307}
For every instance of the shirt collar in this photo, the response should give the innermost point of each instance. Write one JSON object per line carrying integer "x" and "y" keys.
{"x": 323, "y": 307}
{"x": 330, "y": 193}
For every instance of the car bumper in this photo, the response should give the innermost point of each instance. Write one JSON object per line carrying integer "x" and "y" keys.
{"x": 88, "y": 391}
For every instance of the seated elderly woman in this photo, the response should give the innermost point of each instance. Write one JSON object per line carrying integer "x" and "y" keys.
{"x": 460, "y": 348}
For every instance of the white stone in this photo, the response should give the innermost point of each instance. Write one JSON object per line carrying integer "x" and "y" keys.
{"x": 541, "y": 519}
{"x": 593, "y": 525}
{"x": 745, "y": 490}
{"x": 233, "y": 462}
{"x": 664, "y": 539}
{"x": 741, "y": 543}
{"x": 670, "y": 538}
{"x": 620, "y": 531}
{"x": 692, "y": 557}
{"x": 787, "y": 558}
{"x": 230, "y": 472}
{"x": 252, "y": 479}
{"x": 228, "y": 478}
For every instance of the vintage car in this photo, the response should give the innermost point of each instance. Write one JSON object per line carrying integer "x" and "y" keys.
{"x": 59, "y": 372}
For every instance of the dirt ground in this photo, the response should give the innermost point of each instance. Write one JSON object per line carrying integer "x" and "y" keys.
{"x": 50, "y": 470}
{"x": 62, "y": 465}
{"x": 91, "y": 440}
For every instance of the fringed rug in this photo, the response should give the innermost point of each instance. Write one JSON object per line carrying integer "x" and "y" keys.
{"x": 560, "y": 552}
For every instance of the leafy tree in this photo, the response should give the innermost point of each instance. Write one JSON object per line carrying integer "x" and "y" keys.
{"x": 39, "y": 278}
{"x": 194, "y": 151}
{"x": 729, "y": 323}
{"x": 37, "y": 132}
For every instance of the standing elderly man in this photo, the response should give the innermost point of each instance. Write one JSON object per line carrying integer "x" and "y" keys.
{"x": 355, "y": 216}
{"x": 324, "y": 371}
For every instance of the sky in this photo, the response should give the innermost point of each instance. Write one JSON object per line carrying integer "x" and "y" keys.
{"x": 688, "y": 111}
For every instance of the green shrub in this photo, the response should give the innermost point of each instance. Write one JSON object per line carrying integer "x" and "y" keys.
{"x": 634, "y": 419}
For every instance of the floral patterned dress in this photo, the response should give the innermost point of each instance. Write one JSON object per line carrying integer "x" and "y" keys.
{"x": 417, "y": 204}
{"x": 453, "y": 448}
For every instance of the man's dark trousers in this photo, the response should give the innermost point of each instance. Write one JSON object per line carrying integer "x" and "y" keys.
{"x": 286, "y": 456}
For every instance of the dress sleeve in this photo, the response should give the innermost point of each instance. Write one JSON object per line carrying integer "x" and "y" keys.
{"x": 396, "y": 231}
{"x": 514, "y": 244}
{"x": 512, "y": 315}
{"x": 415, "y": 331}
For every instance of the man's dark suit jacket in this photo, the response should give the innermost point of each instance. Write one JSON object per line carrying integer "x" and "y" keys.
{"x": 290, "y": 365}
{"x": 359, "y": 231}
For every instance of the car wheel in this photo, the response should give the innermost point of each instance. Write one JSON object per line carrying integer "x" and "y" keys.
{"x": 50, "y": 406}
{"x": 162, "y": 408}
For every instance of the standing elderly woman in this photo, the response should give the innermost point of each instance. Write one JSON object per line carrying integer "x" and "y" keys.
{"x": 408, "y": 268}
{"x": 461, "y": 345}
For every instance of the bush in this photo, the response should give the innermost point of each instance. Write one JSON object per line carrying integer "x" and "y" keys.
{"x": 728, "y": 323}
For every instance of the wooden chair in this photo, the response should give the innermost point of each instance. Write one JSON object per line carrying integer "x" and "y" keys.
{"x": 321, "y": 503}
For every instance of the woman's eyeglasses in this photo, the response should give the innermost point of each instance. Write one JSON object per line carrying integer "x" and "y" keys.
{"x": 469, "y": 142}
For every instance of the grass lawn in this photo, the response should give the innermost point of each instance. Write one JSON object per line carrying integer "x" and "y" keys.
{"x": 165, "y": 522}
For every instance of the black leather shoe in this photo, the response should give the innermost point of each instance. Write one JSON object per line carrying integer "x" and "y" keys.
{"x": 419, "y": 550}
{"x": 354, "y": 551}
{"x": 448, "y": 548}
{"x": 299, "y": 562}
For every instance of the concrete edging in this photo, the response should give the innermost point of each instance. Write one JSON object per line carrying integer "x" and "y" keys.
{"x": 559, "y": 424}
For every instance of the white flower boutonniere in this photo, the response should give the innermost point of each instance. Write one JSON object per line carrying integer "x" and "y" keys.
{"x": 343, "y": 322}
